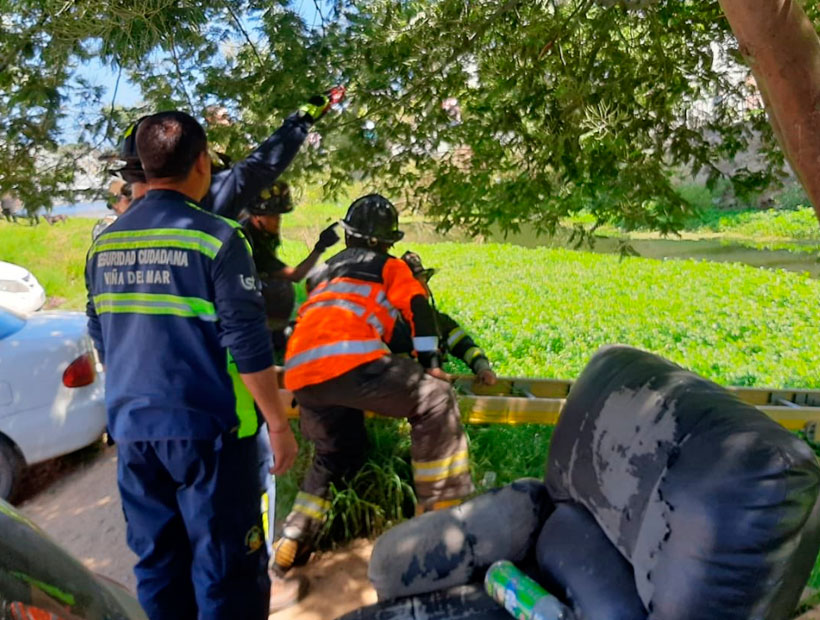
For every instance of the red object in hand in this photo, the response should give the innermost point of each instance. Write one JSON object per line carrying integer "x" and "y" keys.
{"x": 336, "y": 94}
{"x": 80, "y": 372}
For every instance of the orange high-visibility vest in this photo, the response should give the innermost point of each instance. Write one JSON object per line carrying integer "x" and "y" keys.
{"x": 349, "y": 316}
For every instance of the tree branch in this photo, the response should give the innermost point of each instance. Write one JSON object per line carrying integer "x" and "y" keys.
{"x": 179, "y": 76}
{"x": 113, "y": 101}
{"x": 321, "y": 16}
{"x": 245, "y": 34}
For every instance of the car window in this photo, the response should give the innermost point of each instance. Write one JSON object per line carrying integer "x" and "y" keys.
{"x": 10, "y": 323}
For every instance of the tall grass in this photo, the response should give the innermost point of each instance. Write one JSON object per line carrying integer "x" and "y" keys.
{"x": 381, "y": 493}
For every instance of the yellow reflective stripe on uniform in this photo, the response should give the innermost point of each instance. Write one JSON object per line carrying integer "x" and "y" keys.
{"x": 343, "y": 347}
{"x": 433, "y": 471}
{"x": 244, "y": 238}
{"x": 472, "y": 353}
{"x": 155, "y": 303}
{"x": 455, "y": 337}
{"x": 232, "y": 223}
{"x": 267, "y": 516}
{"x": 245, "y": 408}
{"x": 448, "y": 503}
{"x": 311, "y": 505}
{"x": 176, "y": 238}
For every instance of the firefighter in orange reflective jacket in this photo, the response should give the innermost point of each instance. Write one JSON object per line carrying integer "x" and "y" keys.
{"x": 338, "y": 365}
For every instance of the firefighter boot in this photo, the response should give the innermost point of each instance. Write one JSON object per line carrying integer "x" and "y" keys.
{"x": 287, "y": 589}
{"x": 289, "y": 552}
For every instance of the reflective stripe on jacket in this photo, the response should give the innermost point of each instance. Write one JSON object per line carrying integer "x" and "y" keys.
{"x": 349, "y": 316}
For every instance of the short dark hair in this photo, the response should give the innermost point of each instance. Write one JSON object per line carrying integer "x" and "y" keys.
{"x": 168, "y": 144}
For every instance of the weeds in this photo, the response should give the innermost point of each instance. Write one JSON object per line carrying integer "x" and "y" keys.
{"x": 381, "y": 493}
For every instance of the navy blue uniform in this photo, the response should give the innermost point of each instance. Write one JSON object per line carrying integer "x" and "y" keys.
{"x": 233, "y": 189}
{"x": 175, "y": 311}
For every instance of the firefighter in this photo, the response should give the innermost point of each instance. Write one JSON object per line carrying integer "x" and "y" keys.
{"x": 262, "y": 227}
{"x": 452, "y": 337}
{"x": 337, "y": 364}
{"x": 177, "y": 316}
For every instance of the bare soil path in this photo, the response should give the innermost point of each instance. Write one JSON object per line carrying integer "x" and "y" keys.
{"x": 81, "y": 510}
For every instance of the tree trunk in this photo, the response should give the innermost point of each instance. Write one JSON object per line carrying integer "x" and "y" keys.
{"x": 783, "y": 50}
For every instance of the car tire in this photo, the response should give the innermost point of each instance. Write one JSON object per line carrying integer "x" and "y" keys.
{"x": 11, "y": 466}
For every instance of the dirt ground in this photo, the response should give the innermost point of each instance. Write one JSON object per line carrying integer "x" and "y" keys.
{"x": 81, "y": 510}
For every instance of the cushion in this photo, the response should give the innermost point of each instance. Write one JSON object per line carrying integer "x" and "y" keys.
{"x": 712, "y": 503}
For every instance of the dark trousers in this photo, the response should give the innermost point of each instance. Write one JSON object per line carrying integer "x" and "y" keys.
{"x": 192, "y": 509}
{"x": 331, "y": 416}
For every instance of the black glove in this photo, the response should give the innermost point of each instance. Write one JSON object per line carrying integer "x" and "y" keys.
{"x": 318, "y": 105}
{"x": 327, "y": 238}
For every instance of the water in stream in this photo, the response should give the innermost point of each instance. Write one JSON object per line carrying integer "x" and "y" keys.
{"x": 717, "y": 250}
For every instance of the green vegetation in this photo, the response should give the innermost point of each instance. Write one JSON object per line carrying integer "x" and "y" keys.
{"x": 781, "y": 224}
{"x": 381, "y": 494}
{"x": 543, "y": 312}
{"x": 794, "y": 230}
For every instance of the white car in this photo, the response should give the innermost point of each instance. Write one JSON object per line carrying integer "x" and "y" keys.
{"x": 51, "y": 397}
{"x": 19, "y": 289}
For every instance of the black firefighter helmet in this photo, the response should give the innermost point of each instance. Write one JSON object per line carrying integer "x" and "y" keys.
{"x": 126, "y": 155}
{"x": 373, "y": 218}
{"x": 273, "y": 200}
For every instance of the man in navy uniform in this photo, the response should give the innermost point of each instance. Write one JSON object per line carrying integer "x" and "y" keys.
{"x": 176, "y": 314}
